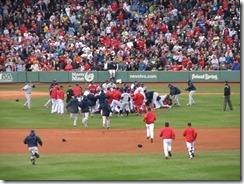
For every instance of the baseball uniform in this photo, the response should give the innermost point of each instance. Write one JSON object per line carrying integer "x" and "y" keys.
{"x": 149, "y": 118}
{"x": 168, "y": 135}
{"x": 190, "y": 135}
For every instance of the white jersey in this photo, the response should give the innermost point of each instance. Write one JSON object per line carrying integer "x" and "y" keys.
{"x": 105, "y": 86}
{"x": 139, "y": 89}
{"x": 126, "y": 97}
{"x": 27, "y": 88}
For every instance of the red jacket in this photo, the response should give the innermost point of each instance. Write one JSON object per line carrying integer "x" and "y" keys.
{"x": 92, "y": 88}
{"x": 190, "y": 134}
{"x": 54, "y": 92}
{"x": 138, "y": 99}
{"x": 77, "y": 90}
{"x": 149, "y": 117}
{"x": 110, "y": 94}
{"x": 167, "y": 133}
{"x": 117, "y": 95}
{"x": 60, "y": 94}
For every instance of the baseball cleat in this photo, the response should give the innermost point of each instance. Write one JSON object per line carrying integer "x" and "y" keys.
{"x": 151, "y": 139}
{"x": 170, "y": 154}
{"x": 37, "y": 155}
{"x": 33, "y": 161}
{"x": 166, "y": 158}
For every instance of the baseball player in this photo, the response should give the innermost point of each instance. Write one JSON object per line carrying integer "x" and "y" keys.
{"x": 85, "y": 104}
{"x": 165, "y": 101}
{"x": 54, "y": 98}
{"x": 32, "y": 141}
{"x": 105, "y": 86}
{"x": 138, "y": 102}
{"x": 175, "y": 94}
{"x": 78, "y": 90}
{"x": 125, "y": 100}
{"x": 192, "y": 89}
{"x": 101, "y": 99}
{"x": 190, "y": 134}
{"x": 72, "y": 107}
{"x": 152, "y": 96}
{"x": 60, "y": 100}
{"x": 149, "y": 118}
{"x": 50, "y": 91}
{"x": 28, "y": 88}
{"x": 116, "y": 100}
{"x": 106, "y": 110}
{"x": 92, "y": 87}
{"x": 93, "y": 101}
{"x": 168, "y": 135}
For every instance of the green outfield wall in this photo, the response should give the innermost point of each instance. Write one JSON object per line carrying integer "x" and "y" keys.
{"x": 124, "y": 76}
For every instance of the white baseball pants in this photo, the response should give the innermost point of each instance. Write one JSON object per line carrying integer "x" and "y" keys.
{"x": 191, "y": 100}
{"x": 167, "y": 145}
{"x": 150, "y": 130}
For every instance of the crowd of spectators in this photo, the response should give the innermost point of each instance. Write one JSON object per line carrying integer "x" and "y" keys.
{"x": 149, "y": 35}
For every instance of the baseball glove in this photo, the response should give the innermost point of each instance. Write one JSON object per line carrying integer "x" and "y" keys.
{"x": 139, "y": 145}
{"x": 17, "y": 100}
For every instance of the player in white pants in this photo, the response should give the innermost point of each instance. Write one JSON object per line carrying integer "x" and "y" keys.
{"x": 190, "y": 135}
{"x": 28, "y": 88}
{"x": 149, "y": 118}
{"x": 192, "y": 89}
{"x": 161, "y": 101}
{"x": 191, "y": 100}
{"x": 168, "y": 135}
{"x": 32, "y": 141}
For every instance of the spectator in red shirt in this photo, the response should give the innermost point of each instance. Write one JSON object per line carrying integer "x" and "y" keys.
{"x": 190, "y": 134}
{"x": 168, "y": 135}
{"x": 149, "y": 118}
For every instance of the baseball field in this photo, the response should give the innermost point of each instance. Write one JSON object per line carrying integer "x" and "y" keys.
{"x": 98, "y": 154}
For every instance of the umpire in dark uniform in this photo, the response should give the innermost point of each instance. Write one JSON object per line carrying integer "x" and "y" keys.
{"x": 69, "y": 94}
{"x": 227, "y": 93}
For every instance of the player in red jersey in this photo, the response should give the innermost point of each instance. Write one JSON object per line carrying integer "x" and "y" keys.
{"x": 92, "y": 87}
{"x": 168, "y": 135}
{"x": 190, "y": 134}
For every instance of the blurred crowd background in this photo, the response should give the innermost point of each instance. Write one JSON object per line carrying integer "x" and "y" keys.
{"x": 128, "y": 35}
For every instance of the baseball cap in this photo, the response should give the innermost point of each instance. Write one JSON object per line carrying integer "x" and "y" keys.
{"x": 166, "y": 124}
{"x": 189, "y": 124}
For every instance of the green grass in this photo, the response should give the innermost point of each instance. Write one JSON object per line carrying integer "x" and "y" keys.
{"x": 206, "y": 113}
{"x": 215, "y": 165}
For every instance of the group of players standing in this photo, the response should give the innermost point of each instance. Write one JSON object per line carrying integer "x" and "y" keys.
{"x": 108, "y": 99}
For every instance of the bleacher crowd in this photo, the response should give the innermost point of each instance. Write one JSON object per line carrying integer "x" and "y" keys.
{"x": 137, "y": 35}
